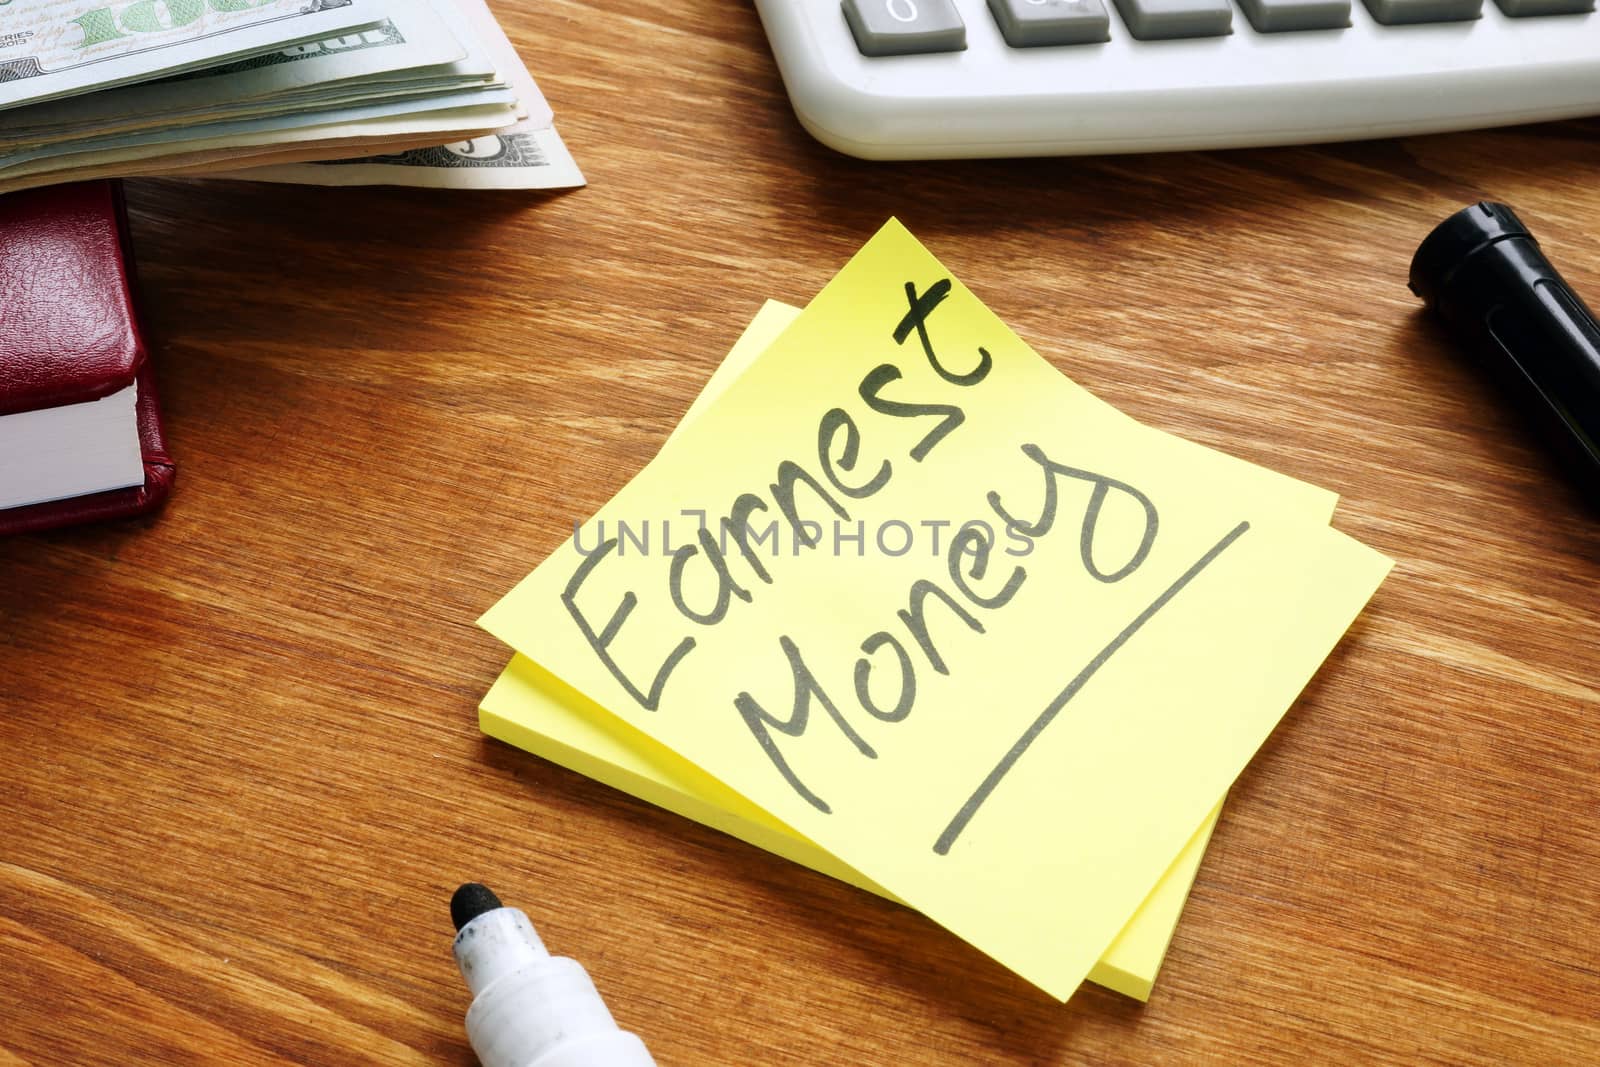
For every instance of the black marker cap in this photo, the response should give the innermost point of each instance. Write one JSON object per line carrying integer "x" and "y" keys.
{"x": 1455, "y": 239}
{"x": 1482, "y": 273}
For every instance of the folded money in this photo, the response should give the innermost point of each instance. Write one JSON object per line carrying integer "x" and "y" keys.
{"x": 428, "y": 89}
{"x": 57, "y": 48}
{"x": 528, "y": 155}
{"x": 514, "y": 158}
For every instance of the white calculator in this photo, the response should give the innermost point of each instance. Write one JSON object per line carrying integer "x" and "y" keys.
{"x": 929, "y": 79}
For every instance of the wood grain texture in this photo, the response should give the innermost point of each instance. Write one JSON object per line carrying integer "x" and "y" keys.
{"x": 239, "y": 766}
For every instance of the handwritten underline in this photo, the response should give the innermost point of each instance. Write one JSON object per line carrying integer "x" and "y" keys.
{"x": 1037, "y": 727}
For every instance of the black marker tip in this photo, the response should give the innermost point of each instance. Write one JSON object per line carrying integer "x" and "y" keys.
{"x": 471, "y": 901}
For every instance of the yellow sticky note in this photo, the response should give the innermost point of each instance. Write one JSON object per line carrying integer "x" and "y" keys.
{"x": 529, "y": 708}
{"x": 1016, "y": 733}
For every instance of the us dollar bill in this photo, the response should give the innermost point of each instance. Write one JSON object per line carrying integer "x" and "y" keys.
{"x": 437, "y": 110}
{"x": 528, "y": 155}
{"x": 56, "y": 48}
{"x": 517, "y": 158}
{"x": 349, "y": 68}
{"x": 234, "y": 150}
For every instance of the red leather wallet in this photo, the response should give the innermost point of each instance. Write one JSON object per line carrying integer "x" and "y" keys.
{"x": 68, "y": 333}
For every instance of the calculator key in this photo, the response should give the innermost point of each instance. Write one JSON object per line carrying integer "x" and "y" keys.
{"x": 1406, "y": 12}
{"x": 905, "y": 27}
{"x": 1027, "y": 23}
{"x": 1522, "y": 8}
{"x": 1156, "y": 20}
{"x": 1271, "y": 16}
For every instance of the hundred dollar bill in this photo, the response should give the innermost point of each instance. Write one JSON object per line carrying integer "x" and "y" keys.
{"x": 529, "y": 155}
{"x": 516, "y": 158}
{"x": 411, "y": 43}
{"x": 200, "y": 161}
{"x": 144, "y": 143}
{"x": 332, "y": 139}
{"x": 56, "y": 48}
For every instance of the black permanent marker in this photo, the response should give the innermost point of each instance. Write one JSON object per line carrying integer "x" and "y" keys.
{"x": 1482, "y": 272}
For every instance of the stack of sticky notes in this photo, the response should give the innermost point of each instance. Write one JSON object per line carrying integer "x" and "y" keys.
{"x": 902, "y": 603}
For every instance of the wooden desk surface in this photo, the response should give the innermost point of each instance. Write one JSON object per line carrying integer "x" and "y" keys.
{"x": 241, "y": 771}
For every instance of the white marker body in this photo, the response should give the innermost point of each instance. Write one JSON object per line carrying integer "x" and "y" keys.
{"x": 532, "y": 1009}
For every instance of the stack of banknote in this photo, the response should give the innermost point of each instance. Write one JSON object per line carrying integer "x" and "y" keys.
{"x": 327, "y": 92}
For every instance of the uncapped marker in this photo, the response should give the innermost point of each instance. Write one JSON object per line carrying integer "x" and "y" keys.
{"x": 529, "y": 1008}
